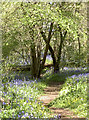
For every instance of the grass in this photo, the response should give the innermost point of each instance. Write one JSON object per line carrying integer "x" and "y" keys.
{"x": 23, "y": 100}
{"x": 73, "y": 94}
{"x": 23, "y": 94}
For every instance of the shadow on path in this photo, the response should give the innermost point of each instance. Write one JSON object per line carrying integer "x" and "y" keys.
{"x": 51, "y": 93}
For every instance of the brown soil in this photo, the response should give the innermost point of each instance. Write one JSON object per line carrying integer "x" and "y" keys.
{"x": 50, "y": 93}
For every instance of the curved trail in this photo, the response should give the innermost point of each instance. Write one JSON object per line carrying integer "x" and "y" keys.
{"x": 52, "y": 92}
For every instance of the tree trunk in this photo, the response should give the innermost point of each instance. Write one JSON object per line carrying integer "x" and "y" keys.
{"x": 79, "y": 46}
{"x": 33, "y": 65}
{"x": 50, "y": 49}
{"x": 55, "y": 63}
{"x": 62, "y": 38}
{"x": 34, "y": 61}
{"x": 46, "y": 49}
{"x": 38, "y": 58}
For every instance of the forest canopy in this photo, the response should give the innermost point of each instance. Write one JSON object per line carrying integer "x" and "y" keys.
{"x": 32, "y": 30}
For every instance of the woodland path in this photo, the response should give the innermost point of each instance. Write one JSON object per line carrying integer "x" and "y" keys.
{"x": 50, "y": 93}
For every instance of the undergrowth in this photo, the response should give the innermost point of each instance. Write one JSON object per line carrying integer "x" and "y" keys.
{"x": 23, "y": 93}
{"x": 22, "y": 97}
{"x": 73, "y": 94}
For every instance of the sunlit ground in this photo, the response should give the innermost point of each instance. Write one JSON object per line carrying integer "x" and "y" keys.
{"x": 21, "y": 93}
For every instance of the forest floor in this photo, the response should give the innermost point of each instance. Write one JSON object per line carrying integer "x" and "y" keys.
{"x": 50, "y": 93}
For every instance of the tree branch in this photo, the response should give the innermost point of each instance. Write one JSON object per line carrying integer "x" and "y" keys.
{"x": 50, "y": 48}
{"x": 47, "y": 45}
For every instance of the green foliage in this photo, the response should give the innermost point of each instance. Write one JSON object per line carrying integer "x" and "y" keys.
{"x": 23, "y": 101}
{"x": 7, "y": 48}
{"x": 22, "y": 23}
{"x": 56, "y": 78}
{"x": 73, "y": 95}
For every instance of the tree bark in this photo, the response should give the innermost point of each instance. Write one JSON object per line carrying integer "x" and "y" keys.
{"x": 34, "y": 61}
{"x": 38, "y": 58}
{"x": 62, "y": 38}
{"x": 46, "y": 49}
{"x": 50, "y": 49}
{"x": 55, "y": 62}
{"x": 79, "y": 46}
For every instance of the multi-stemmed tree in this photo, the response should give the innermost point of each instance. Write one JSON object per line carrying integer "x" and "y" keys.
{"x": 31, "y": 29}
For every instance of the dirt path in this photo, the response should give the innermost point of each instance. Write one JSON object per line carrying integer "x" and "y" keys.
{"x": 50, "y": 93}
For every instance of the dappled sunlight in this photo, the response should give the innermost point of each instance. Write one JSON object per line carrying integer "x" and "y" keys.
{"x": 73, "y": 94}
{"x": 44, "y": 63}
